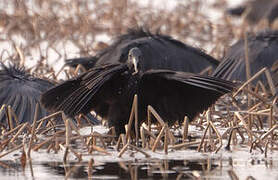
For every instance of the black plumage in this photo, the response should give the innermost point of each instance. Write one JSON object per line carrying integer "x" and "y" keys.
{"x": 159, "y": 52}
{"x": 22, "y": 92}
{"x": 262, "y": 52}
{"x": 173, "y": 94}
{"x": 256, "y": 10}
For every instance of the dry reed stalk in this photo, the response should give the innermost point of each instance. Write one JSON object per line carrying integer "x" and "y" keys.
{"x": 123, "y": 150}
{"x": 10, "y": 119}
{"x": 143, "y": 138}
{"x": 152, "y": 111}
{"x": 11, "y": 131}
{"x": 21, "y": 56}
{"x": 249, "y": 132}
{"x": 156, "y": 115}
{"x": 90, "y": 168}
{"x": 233, "y": 175}
{"x": 131, "y": 117}
{"x": 12, "y": 114}
{"x": 248, "y": 81}
{"x": 32, "y": 138}
{"x": 266, "y": 148}
{"x": 184, "y": 145}
{"x": 270, "y": 82}
{"x": 19, "y": 132}
{"x": 218, "y": 135}
{"x": 11, "y": 150}
{"x": 202, "y": 140}
{"x": 185, "y": 128}
{"x": 159, "y": 137}
{"x": 166, "y": 141}
{"x": 139, "y": 150}
{"x": 99, "y": 149}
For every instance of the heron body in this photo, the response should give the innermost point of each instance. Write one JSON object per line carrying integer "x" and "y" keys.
{"x": 173, "y": 94}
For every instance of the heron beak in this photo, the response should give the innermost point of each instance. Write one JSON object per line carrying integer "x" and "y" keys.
{"x": 134, "y": 61}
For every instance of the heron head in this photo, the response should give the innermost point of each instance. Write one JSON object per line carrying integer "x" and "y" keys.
{"x": 134, "y": 57}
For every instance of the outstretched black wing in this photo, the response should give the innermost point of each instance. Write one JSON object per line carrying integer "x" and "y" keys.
{"x": 22, "y": 92}
{"x": 92, "y": 90}
{"x": 262, "y": 52}
{"x": 176, "y": 94}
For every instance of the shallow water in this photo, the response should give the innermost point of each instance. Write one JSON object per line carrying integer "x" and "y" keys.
{"x": 184, "y": 164}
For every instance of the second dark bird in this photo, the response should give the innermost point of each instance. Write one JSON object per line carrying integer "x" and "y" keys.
{"x": 173, "y": 94}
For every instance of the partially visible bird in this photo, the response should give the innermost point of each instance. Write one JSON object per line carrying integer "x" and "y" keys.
{"x": 262, "y": 52}
{"x": 22, "y": 92}
{"x": 159, "y": 51}
{"x": 256, "y": 10}
{"x": 173, "y": 94}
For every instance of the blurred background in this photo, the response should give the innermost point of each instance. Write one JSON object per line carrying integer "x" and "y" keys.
{"x": 40, "y": 34}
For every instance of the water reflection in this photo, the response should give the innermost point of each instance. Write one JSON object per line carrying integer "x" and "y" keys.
{"x": 208, "y": 168}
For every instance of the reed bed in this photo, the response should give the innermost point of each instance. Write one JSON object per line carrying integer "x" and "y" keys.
{"x": 34, "y": 31}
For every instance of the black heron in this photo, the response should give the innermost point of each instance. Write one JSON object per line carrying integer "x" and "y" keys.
{"x": 22, "y": 92}
{"x": 173, "y": 94}
{"x": 256, "y": 10}
{"x": 159, "y": 51}
{"x": 262, "y": 52}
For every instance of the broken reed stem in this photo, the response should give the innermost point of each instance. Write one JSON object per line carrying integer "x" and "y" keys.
{"x": 270, "y": 82}
{"x": 248, "y": 81}
{"x": 49, "y": 116}
{"x": 90, "y": 168}
{"x": 159, "y": 137}
{"x": 123, "y": 150}
{"x": 266, "y": 148}
{"x": 185, "y": 128}
{"x": 136, "y": 118}
{"x": 12, "y": 114}
{"x": 99, "y": 149}
{"x": 33, "y": 131}
{"x": 12, "y": 150}
{"x": 249, "y": 132}
{"x": 203, "y": 138}
{"x": 143, "y": 138}
{"x": 248, "y": 76}
{"x": 208, "y": 117}
{"x": 233, "y": 175}
{"x": 156, "y": 115}
{"x": 139, "y": 150}
{"x": 131, "y": 117}
{"x": 133, "y": 147}
{"x": 218, "y": 135}
{"x": 19, "y": 131}
{"x": 166, "y": 141}
{"x": 43, "y": 143}
{"x": 10, "y": 119}
{"x": 184, "y": 145}
{"x": 269, "y": 132}
{"x": 13, "y": 130}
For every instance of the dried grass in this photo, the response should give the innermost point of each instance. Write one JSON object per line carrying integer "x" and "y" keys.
{"x": 47, "y": 26}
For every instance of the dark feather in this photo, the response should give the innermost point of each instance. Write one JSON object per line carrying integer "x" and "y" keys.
{"x": 159, "y": 51}
{"x": 173, "y": 94}
{"x": 256, "y": 10}
{"x": 262, "y": 52}
{"x": 22, "y": 92}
